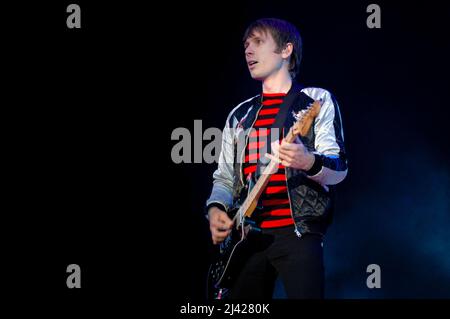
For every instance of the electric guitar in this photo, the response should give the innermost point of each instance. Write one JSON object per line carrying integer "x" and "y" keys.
{"x": 237, "y": 247}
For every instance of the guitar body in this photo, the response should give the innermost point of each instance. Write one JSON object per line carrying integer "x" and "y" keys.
{"x": 232, "y": 255}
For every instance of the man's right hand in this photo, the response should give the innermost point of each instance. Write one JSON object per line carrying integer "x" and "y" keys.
{"x": 219, "y": 224}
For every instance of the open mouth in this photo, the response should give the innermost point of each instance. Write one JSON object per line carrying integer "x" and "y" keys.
{"x": 251, "y": 63}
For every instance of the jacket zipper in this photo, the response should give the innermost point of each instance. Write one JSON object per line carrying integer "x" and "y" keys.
{"x": 296, "y": 231}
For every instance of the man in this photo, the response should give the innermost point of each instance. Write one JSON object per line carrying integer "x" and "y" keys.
{"x": 297, "y": 202}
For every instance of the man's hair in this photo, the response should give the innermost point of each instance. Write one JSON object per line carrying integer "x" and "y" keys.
{"x": 283, "y": 33}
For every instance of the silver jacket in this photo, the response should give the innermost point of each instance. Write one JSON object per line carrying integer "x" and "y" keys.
{"x": 310, "y": 192}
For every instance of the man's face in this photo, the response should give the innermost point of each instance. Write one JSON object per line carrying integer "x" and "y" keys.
{"x": 262, "y": 61}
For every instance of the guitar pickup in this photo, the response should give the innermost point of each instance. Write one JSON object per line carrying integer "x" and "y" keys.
{"x": 251, "y": 224}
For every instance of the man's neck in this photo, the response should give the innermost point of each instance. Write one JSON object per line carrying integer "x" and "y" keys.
{"x": 278, "y": 83}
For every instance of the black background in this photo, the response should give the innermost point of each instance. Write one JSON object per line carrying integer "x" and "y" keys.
{"x": 89, "y": 123}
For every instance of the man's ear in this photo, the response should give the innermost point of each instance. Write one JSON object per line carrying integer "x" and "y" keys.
{"x": 287, "y": 51}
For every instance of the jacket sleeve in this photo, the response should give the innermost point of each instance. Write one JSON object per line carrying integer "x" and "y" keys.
{"x": 330, "y": 166}
{"x": 223, "y": 176}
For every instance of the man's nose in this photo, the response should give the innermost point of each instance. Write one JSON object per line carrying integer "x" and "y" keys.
{"x": 249, "y": 51}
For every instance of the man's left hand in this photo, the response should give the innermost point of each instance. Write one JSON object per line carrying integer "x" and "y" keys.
{"x": 294, "y": 155}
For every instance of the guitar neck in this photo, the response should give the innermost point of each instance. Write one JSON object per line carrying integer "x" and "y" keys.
{"x": 301, "y": 128}
{"x": 259, "y": 187}
{"x": 263, "y": 180}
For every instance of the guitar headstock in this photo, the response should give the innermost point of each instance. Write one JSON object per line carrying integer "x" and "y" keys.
{"x": 305, "y": 118}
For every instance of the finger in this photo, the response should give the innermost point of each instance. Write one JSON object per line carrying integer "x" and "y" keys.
{"x": 220, "y": 235}
{"x": 221, "y": 217}
{"x": 297, "y": 141}
{"x": 287, "y": 155}
{"x": 225, "y": 221}
{"x": 216, "y": 220}
{"x": 221, "y": 222}
{"x": 229, "y": 224}
{"x": 220, "y": 227}
{"x": 226, "y": 218}
{"x": 284, "y": 160}
{"x": 223, "y": 227}
{"x": 286, "y": 163}
{"x": 285, "y": 146}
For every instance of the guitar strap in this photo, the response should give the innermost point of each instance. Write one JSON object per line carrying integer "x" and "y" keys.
{"x": 291, "y": 96}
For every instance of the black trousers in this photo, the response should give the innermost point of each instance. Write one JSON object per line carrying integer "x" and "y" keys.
{"x": 297, "y": 261}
